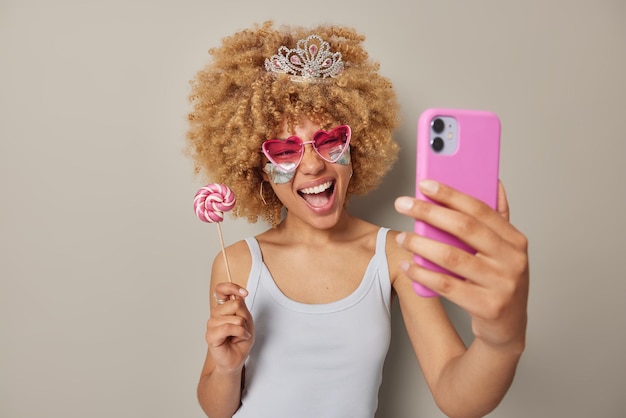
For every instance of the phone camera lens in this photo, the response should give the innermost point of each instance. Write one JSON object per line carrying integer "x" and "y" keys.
{"x": 437, "y": 144}
{"x": 438, "y": 125}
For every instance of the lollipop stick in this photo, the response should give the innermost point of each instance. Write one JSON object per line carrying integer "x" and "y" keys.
{"x": 219, "y": 231}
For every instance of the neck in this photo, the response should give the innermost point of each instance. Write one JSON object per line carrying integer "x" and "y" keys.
{"x": 294, "y": 229}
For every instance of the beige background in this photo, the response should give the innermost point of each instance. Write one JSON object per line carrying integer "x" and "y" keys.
{"x": 104, "y": 268}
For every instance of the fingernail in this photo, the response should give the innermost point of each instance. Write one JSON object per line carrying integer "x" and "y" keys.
{"x": 243, "y": 291}
{"x": 404, "y": 203}
{"x": 429, "y": 186}
{"x": 400, "y": 238}
{"x": 404, "y": 266}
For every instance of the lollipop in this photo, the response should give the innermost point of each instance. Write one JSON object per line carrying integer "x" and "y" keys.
{"x": 210, "y": 203}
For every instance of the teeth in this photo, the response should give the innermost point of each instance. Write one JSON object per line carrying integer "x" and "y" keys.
{"x": 317, "y": 189}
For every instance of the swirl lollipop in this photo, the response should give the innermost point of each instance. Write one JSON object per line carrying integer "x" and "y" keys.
{"x": 210, "y": 203}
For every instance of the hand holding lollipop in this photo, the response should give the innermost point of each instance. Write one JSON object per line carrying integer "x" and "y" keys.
{"x": 210, "y": 203}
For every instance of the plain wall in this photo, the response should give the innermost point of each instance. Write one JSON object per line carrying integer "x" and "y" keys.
{"x": 104, "y": 268}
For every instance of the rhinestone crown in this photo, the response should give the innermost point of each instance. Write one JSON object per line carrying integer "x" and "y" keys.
{"x": 311, "y": 58}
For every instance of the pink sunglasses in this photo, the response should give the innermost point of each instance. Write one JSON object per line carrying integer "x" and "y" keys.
{"x": 287, "y": 153}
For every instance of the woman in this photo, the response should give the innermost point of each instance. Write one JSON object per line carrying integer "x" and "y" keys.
{"x": 296, "y": 121}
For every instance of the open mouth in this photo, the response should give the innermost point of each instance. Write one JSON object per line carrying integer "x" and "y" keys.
{"x": 319, "y": 195}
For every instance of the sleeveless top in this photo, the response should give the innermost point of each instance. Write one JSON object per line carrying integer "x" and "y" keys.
{"x": 317, "y": 360}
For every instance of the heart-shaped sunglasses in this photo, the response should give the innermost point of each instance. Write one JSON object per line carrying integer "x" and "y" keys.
{"x": 287, "y": 153}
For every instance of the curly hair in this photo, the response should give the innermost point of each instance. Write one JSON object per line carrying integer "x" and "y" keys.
{"x": 237, "y": 104}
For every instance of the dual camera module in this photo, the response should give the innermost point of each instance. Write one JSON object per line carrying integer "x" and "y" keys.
{"x": 443, "y": 135}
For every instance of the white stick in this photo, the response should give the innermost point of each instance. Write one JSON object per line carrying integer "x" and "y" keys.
{"x": 219, "y": 231}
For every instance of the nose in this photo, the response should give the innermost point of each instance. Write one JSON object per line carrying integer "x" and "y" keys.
{"x": 311, "y": 162}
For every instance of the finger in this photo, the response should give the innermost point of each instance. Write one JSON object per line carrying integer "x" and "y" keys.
{"x": 230, "y": 319}
{"x": 219, "y": 332}
{"x": 226, "y": 322}
{"x": 461, "y": 202}
{"x": 218, "y": 300}
{"x": 478, "y": 270}
{"x": 470, "y": 230}
{"x": 503, "y": 202}
{"x": 227, "y": 291}
{"x": 466, "y": 295}
{"x": 232, "y": 308}
{"x": 496, "y": 220}
{"x": 440, "y": 282}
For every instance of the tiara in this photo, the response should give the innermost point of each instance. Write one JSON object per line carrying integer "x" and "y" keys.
{"x": 310, "y": 59}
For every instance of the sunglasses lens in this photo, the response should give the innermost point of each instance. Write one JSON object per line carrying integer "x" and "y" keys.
{"x": 331, "y": 145}
{"x": 285, "y": 154}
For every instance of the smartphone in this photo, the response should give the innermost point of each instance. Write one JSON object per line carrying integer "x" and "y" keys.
{"x": 459, "y": 148}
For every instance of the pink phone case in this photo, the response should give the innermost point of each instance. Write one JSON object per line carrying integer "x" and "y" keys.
{"x": 471, "y": 169}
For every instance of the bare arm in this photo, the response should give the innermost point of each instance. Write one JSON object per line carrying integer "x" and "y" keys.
{"x": 473, "y": 381}
{"x": 219, "y": 393}
{"x": 229, "y": 336}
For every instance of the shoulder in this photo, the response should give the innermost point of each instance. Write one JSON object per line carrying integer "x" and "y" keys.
{"x": 395, "y": 255}
{"x": 413, "y": 306}
{"x": 427, "y": 314}
{"x": 237, "y": 264}
{"x": 239, "y": 251}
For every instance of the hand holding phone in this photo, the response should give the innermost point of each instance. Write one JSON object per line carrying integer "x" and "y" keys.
{"x": 460, "y": 148}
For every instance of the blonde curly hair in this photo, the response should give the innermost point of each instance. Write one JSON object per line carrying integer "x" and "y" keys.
{"x": 237, "y": 104}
